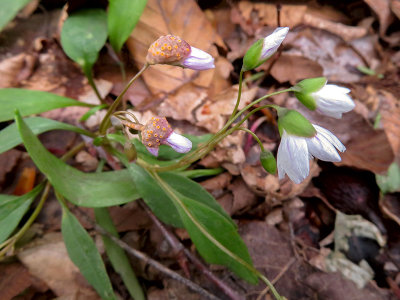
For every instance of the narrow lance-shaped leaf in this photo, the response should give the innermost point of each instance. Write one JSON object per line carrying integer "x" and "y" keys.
{"x": 9, "y": 10}
{"x": 122, "y": 18}
{"x": 12, "y": 209}
{"x": 9, "y": 136}
{"x": 84, "y": 254}
{"x": 83, "y": 35}
{"x": 117, "y": 256}
{"x": 83, "y": 189}
{"x": 29, "y": 102}
{"x": 215, "y": 238}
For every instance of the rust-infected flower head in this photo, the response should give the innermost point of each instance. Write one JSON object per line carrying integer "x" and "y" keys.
{"x": 168, "y": 49}
{"x": 155, "y": 132}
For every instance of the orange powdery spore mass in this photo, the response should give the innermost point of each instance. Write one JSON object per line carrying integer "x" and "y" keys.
{"x": 155, "y": 132}
{"x": 168, "y": 49}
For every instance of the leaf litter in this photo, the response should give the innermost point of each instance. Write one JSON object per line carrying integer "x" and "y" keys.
{"x": 286, "y": 227}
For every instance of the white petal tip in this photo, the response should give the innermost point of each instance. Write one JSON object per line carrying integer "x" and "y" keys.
{"x": 179, "y": 143}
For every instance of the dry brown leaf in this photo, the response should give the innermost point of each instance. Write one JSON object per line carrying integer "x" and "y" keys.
{"x": 48, "y": 260}
{"x": 346, "y": 32}
{"x": 390, "y": 119}
{"x": 184, "y": 19}
{"x": 10, "y": 68}
{"x": 389, "y": 204}
{"x": 382, "y": 10}
{"x": 213, "y": 114}
{"x": 14, "y": 279}
{"x": 8, "y": 160}
{"x": 243, "y": 197}
{"x": 294, "y": 68}
{"x": 332, "y": 286}
{"x": 180, "y": 105}
{"x": 395, "y": 6}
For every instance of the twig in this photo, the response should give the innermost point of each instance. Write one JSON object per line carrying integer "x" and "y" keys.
{"x": 155, "y": 264}
{"x": 179, "y": 248}
{"x": 279, "y": 276}
{"x": 148, "y": 260}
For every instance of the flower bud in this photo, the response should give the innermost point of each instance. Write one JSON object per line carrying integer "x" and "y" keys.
{"x": 268, "y": 161}
{"x": 294, "y": 123}
{"x": 263, "y": 49}
{"x": 130, "y": 151}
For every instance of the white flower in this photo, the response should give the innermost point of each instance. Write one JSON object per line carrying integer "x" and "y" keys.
{"x": 179, "y": 143}
{"x": 198, "y": 60}
{"x": 294, "y": 152}
{"x": 333, "y": 100}
{"x": 272, "y": 42}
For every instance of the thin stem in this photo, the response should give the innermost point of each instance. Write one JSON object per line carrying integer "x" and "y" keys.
{"x": 106, "y": 121}
{"x": 270, "y": 285}
{"x": 239, "y": 95}
{"x": 89, "y": 76}
{"x": 254, "y": 136}
{"x": 11, "y": 242}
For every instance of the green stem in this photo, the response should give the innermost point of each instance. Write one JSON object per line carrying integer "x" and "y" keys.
{"x": 270, "y": 285}
{"x": 254, "y": 136}
{"x": 239, "y": 95}
{"x": 89, "y": 76}
{"x": 221, "y": 134}
{"x": 106, "y": 121}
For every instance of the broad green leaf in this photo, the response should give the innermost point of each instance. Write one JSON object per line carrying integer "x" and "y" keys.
{"x": 83, "y": 189}
{"x": 9, "y": 10}
{"x": 117, "y": 256}
{"x": 193, "y": 190}
{"x": 390, "y": 182}
{"x": 12, "y": 209}
{"x": 122, "y": 18}
{"x": 154, "y": 196}
{"x": 29, "y": 102}
{"x": 216, "y": 239}
{"x": 9, "y": 136}
{"x": 84, "y": 254}
{"x": 83, "y": 35}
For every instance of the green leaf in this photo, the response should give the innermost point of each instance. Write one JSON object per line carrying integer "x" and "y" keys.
{"x": 195, "y": 191}
{"x": 9, "y": 10}
{"x": 9, "y": 136}
{"x": 31, "y": 102}
{"x": 390, "y": 183}
{"x": 216, "y": 239}
{"x": 122, "y": 18}
{"x": 84, "y": 254}
{"x": 117, "y": 256}
{"x": 83, "y": 189}
{"x": 12, "y": 209}
{"x": 83, "y": 35}
{"x": 154, "y": 196}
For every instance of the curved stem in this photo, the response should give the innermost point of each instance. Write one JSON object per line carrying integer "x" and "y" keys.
{"x": 254, "y": 136}
{"x": 89, "y": 76}
{"x": 239, "y": 95}
{"x": 106, "y": 121}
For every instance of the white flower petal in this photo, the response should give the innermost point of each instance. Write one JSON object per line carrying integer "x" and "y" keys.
{"x": 321, "y": 148}
{"x": 273, "y": 41}
{"x": 179, "y": 143}
{"x": 198, "y": 60}
{"x": 330, "y": 137}
{"x": 332, "y": 100}
{"x": 292, "y": 158}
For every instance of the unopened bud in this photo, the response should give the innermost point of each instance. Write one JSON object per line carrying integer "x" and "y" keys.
{"x": 268, "y": 162}
{"x": 130, "y": 151}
